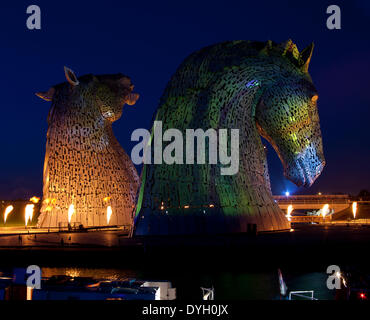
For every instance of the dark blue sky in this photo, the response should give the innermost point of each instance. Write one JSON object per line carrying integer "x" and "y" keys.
{"x": 147, "y": 41}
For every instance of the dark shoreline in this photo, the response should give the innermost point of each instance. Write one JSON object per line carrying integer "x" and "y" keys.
{"x": 311, "y": 247}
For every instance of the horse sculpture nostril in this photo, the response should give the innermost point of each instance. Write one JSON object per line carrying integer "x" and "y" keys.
{"x": 320, "y": 168}
{"x": 314, "y": 98}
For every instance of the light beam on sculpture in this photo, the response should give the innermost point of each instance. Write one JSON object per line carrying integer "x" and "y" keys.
{"x": 7, "y": 212}
{"x": 28, "y": 213}
{"x": 262, "y": 89}
{"x": 71, "y": 211}
{"x": 35, "y": 200}
{"x": 84, "y": 162}
{"x": 354, "y": 209}
{"x": 109, "y": 213}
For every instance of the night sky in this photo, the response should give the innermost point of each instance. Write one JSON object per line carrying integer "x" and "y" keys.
{"x": 147, "y": 41}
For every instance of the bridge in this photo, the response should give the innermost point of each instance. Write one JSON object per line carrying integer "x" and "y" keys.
{"x": 314, "y": 202}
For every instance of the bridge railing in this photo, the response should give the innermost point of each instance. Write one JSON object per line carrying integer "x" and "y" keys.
{"x": 323, "y": 201}
{"x": 351, "y": 222}
{"x": 307, "y": 219}
{"x": 313, "y": 199}
{"x": 328, "y": 220}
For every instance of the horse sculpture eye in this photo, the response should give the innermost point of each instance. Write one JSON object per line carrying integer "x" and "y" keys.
{"x": 314, "y": 98}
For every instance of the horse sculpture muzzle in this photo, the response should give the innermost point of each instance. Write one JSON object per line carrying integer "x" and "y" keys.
{"x": 306, "y": 167}
{"x": 288, "y": 118}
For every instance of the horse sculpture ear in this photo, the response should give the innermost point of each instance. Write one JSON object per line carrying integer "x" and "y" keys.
{"x": 125, "y": 81}
{"x": 305, "y": 57}
{"x": 132, "y": 98}
{"x": 47, "y": 96}
{"x": 70, "y": 76}
{"x": 266, "y": 49}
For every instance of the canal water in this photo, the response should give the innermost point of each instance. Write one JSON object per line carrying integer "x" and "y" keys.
{"x": 236, "y": 272}
{"x": 227, "y": 285}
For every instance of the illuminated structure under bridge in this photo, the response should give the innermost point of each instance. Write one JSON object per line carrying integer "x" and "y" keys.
{"x": 314, "y": 202}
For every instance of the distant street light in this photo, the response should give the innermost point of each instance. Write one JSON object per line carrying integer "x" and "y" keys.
{"x": 28, "y": 213}
{"x": 325, "y": 210}
{"x": 354, "y": 209}
{"x": 8, "y": 210}
{"x": 289, "y": 211}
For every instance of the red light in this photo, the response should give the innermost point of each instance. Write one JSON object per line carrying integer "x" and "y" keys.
{"x": 362, "y": 295}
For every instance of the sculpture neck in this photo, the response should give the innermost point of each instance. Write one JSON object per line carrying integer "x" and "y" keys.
{"x": 239, "y": 113}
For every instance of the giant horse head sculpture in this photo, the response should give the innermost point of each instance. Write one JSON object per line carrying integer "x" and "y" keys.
{"x": 88, "y": 177}
{"x": 108, "y": 93}
{"x": 257, "y": 88}
{"x": 287, "y": 117}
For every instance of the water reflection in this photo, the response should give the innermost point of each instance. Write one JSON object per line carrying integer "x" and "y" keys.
{"x": 96, "y": 273}
{"x": 228, "y": 285}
